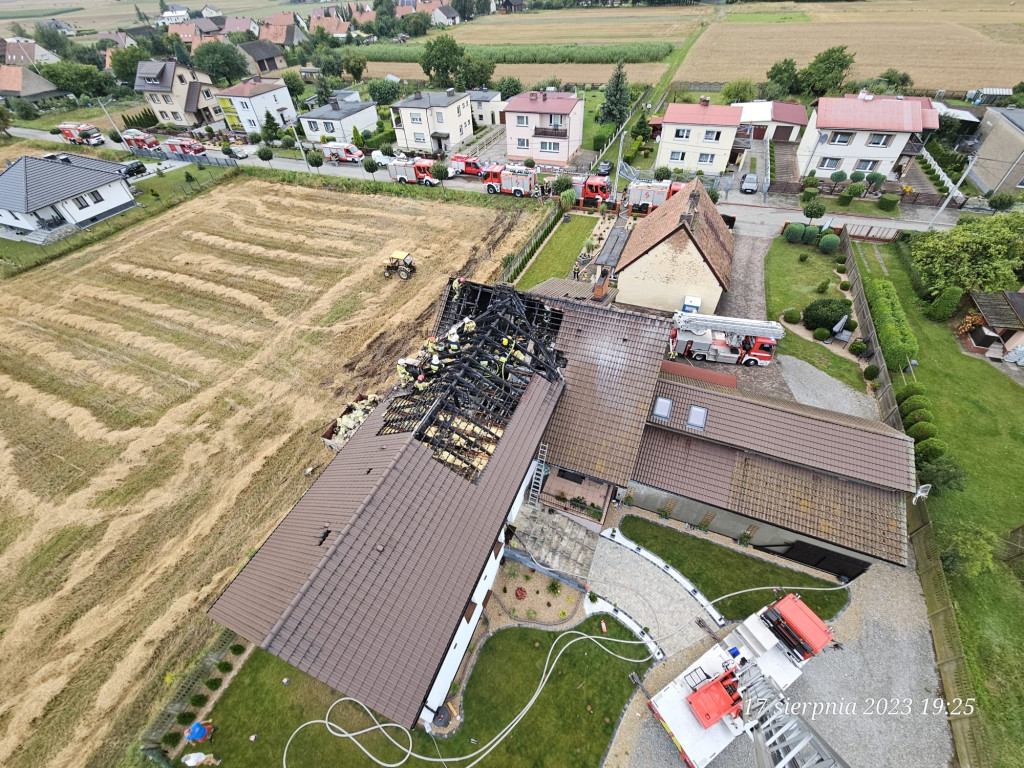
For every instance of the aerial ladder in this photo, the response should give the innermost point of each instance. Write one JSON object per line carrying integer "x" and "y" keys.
{"x": 720, "y": 339}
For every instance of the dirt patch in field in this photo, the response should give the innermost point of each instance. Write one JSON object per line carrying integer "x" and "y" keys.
{"x": 137, "y": 529}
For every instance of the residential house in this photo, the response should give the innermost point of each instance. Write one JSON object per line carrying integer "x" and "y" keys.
{"x": 332, "y": 25}
{"x": 363, "y": 13}
{"x": 24, "y": 83}
{"x": 284, "y": 19}
{"x": 210, "y": 12}
{"x": 428, "y": 7}
{"x": 868, "y": 133}
{"x": 326, "y": 11}
{"x": 999, "y": 166}
{"x": 287, "y": 35}
{"x": 773, "y": 120}
{"x": 546, "y": 126}
{"x": 683, "y": 250}
{"x": 21, "y": 51}
{"x": 175, "y": 14}
{"x": 699, "y": 137}
{"x": 404, "y": 9}
{"x": 341, "y": 94}
{"x": 1002, "y": 335}
{"x": 54, "y": 194}
{"x": 338, "y": 118}
{"x": 246, "y": 104}
{"x": 262, "y": 56}
{"x": 445, "y": 16}
{"x": 512, "y": 6}
{"x": 432, "y": 121}
{"x": 121, "y": 39}
{"x": 178, "y": 94}
{"x": 487, "y": 106}
{"x": 61, "y": 26}
{"x": 240, "y": 24}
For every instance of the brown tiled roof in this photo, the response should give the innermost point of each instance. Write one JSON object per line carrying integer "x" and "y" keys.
{"x": 852, "y": 515}
{"x": 562, "y": 288}
{"x": 613, "y": 362}
{"x": 331, "y": 24}
{"x": 372, "y": 611}
{"x": 860, "y": 449}
{"x": 998, "y": 310}
{"x": 707, "y": 231}
{"x": 254, "y": 86}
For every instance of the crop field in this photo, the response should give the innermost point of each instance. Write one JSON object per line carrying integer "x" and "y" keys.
{"x": 534, "y": 73}
{"x": 161, "y": 395}
{"x": 547, "y": 53}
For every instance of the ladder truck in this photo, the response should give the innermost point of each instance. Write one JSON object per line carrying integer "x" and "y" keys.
{"x": 644, "y": 196}
{"x": 81, "y": 133}
{"x": 515, "y": 180}
{"x": 734, "y": 340}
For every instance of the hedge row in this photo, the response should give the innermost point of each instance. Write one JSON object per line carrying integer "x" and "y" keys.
{"x": 603, "y": 135}
{"x": 630, "y": 53}
{"x": 895, "y": 337}
{"x": 945, "y": 305}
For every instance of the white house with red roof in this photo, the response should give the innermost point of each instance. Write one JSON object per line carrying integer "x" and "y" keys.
{"x": 546, "y": 126}
{"x": 698, "y": 137}
{"x": 865, "y": 132}
{"x": 773, "y": 120}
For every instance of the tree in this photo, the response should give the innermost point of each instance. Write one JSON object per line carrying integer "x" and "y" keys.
{"x": 943, "y": 473}
{"x": 315, "y": 158}
{"x": 567, "y": 199}
{"x": 163, "y": 6}
{"x": 976, "y": 255}
{"x": 79, "y": 79}
{"x": 222, "y": 61}
{"x": 739, "y": 90}
{"x": 483, "y": 7}
{"x": 783, "y": 74}
{"x": 329, "y": 62}
{"x": 181, "y": 54}
{"x": 441, "y": 59}
{"x": 895, "y": 80}
{"x": 140, "y": 16}
{"x": 642, "y": 128}
{"x": 23, "y": 108}
{"x": 270, "y": 128}
{"x": 124, "y": 62}
{"x": 51, "y": 39}
{"x": 662, "y": 173}
{"x": 255, "y": 137}
{"x": 323, "y": 91}
{"x": 474, "y": 73}
{"x": 294, "y": 84}
{"x": 244, "y": 36}
{"x": 561, "y": 184}
{"x": 384, "y": 8}
{"x": 465, "y": 8}
{"x": 354, "y": 63}
{"x": 827, "y": 71}
{"x": 416, "y": 24}
{"x": 814, "y": 209}
{"x": 383, "y": 91}
{"x": 370, "y": 166}
{"x": 875, "y": 179}
{"x": 356, "y": 138}
{"x": 5, "y": 119}
{"x": 509, "y": 87}
{"x": 616, "y": 98}
{"x": 837, "y": 177}
{"x": 1001, "y": 201}
{"x": 970, "y": 552}
{"x": 265, "y": 153}
{"x": 439, "y": 170}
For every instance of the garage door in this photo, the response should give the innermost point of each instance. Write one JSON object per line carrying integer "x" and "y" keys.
{"x": 782, "y": 132}
{"x": 759, "y": 131}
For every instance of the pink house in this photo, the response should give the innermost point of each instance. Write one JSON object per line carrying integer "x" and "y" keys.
{"x": 546, "y": 126}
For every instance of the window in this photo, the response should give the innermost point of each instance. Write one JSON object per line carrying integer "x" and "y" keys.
{"x": 555, "y": 121}
{"x": 168, "y": 100}
{"x": 328, "y": 127}
{"x": 207, "y": 94}
{"x": 522, "y": 120}
{"x": 164, "y": 115}
{"x": 706, "y": 158}
{"x": 662, "y": 408}
{"x": 416, "y": 118}
{"x": 458, "y": 111}
{"x": 80, "y": 202}
{"x": 96, "y": 196}
{"x": 419, "y": 138}
{"x": 252, "y": 123}
{"x": 274, "y": 95}
{"x": 867, "y": 165}
{"x": 840, "y": 137}
{"x": 245, "y": 105}
{"x": 683, "y": 133}
{"x": 218, "y": 111}
{"x": 522, "y": 143}
{"x": 828, "y": 163}
{"x": 152, "y": 80}
{"x": 676, "y": 156}
{"x": 470, "y": 609}
{"x": 462, "y": 129}
{"x": 439, "y": 116}
{"x": 313, "y": 125}
{"x": 879, "y": 139}
{"x": 549, "y": 146}
{"x": 181, "y": 79}
{"x": 194, "y": 76}
{"x": 479, "y": 105}
{"x": 697, "y": 417}
{"x": 176, "y": 115}
{"x": 712, "y": 136}
{"x": 154, "y": 98}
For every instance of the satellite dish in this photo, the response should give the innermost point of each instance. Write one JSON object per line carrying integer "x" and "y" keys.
{"x": 922, "y": 493}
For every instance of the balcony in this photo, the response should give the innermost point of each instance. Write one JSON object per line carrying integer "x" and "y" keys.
{"x": 914, "y": 146}
{"x": 588, "y": 499}
{"x": 551, "y": 133}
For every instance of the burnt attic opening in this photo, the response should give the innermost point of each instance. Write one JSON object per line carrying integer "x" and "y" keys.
{"x": 468, "y": 402}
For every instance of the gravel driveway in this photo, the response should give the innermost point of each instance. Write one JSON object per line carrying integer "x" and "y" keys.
{"x": 813, "y": 387}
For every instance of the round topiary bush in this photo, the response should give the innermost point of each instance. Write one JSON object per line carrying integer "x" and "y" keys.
{"x": 828, "y": 244}
{"x": 822, "y": 287}
{"x": 930, "y": 449}
{"x": 804, "y": 257}
{"x": 840, "y": 258}
{"x": 820, "y": 334}
{"x": 171, "y": 739}
{"x": 213, "y": 683}
{"x": 185, "y": 718}
{"x": 808, "y": 194}
{"x": 909, "y": 390}
{"x": 224, "y": 667}
{"x": 857, "y": 347}
{"x": 923, "y": 430}
{"x": 810, "y": 181}
{"x": 888, "y": 202}
{"x": 871, "y": 372}
{"x": 827, "y": 231}
{"x": 844, "y": 286}
{"x": 237, "y": 649}
{"x": 791, "y": 316}
{"x": 794, "y": 232}
{"x": 844, "y": 199}
{"x": 916, "y": 417}
{"x": 841, "y": 269}
{"x": 851, "y": 325}
{"x": 810, "y": 234}
{"x": 825, "y": 313}
{"x": 913, "y": 403}
{"x": 198, "y": 700}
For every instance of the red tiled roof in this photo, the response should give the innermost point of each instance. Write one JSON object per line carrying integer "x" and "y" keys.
{"x": 875, "y": 114}
{"x": 545, "y": 103}
{"x": 788, "y": 112}
{"x": 280, "y": 19}
{"x": 697, "y": 114}
{"x": 186, "y": 30}
{"x": 237, "y": 24}
{"x": 331, "y": 24}
{"x": 253, "y": 87}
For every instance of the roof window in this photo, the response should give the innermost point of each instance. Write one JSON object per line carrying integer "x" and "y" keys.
{"x": 662, "y": 408}
{"x": 697, "y": 417}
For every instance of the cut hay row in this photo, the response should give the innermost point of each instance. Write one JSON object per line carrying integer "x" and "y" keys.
{"x": 213, "y": 265}
{"x": 247, "y": 250}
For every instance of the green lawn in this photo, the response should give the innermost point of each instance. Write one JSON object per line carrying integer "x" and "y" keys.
{"x": 979, "y": 413}
{"x": 591, "y": 110}
{"x": 556, "y": 258}
{"x": 716, "y": 570}
{"x": 860, "y": 207}
{"x": 93, "y": 115}
{"x": 558, "y": 731}
{"x": 788, "y": 283}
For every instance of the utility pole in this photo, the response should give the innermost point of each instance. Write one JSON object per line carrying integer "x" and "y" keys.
{"x": 302, "y": 149}
{"x": 615, "y": 186}
{"x": 113, "y": 124}
{"x": 970, "y": 162}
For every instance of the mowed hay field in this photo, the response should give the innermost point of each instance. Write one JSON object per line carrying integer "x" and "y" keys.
{"x": 533, "y": 73}
{"x": 161, "y": 397}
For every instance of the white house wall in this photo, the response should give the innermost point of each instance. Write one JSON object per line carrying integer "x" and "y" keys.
{"x": 114, "y": 194}
{"x": 694, "y": 146}
{"x": 364, "y": 120}
{"x": 809, "y": 153}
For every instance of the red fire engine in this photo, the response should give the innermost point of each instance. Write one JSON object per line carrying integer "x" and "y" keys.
{"x": 466, "y": 164}
{"x": 339, "y": 152}
{"x": 645, "y": 196}
{"x": 133, "y": 137}
{"x": 186, "y": 147}
{"x": 591, "y": 189}
{"x": 515, "y": 180}
{"x": 412, "y": 171}
{"x": 724, "y": 339}
{"x": 81, "y": 133}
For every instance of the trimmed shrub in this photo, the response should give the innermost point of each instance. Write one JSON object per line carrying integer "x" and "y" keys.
{"x": 171, "y": 739}
{"x": 1001, "y": 201}
{"x": 923, "y": 430}
{"x": 224, "y": 667}
{"x": 825, "y": 313}
{"x": 888, "y": 202}
{"x": 804, "y": 257}
{"x": 871, "y": 372}
{"x": 185, "y": 718}
{"x": 895, "y": 336}
{"x": 844, "y": 286}
{"x": 909, "y": 390}
{"x": 916, "y": 417}
{"x": 820, "y": 334}
{"x": 914, "y": 403}
{"x": 810, "y": 181}
{"x": 844, "y": 199}
{"x": 237, "y": 649}
{"x": 840, "y": 258}
{"x": 791, "y": 316}
{"x": 857, "y": 347}
{"x": 841, "y": 269}
{"x": 822, "y": 287}
{"x": 945, "y": 305}
{"x": 808, "y": 194}
{"x": 287, "y": 142}
{"x": 794, "y": 232}
{"x": 930, "y": 449}
{"x": 857, "y": 176}
{"x": 810, "y": 234}
{"x": 943, "y": 474}
{"x": 851, "y": 325}
{"x": 828, "y": 244}
{"x": 857, "y": 189}
{"x": 198, "y": 700}
{"x": 827, "y": 231}
{"x": 213, "y": 683}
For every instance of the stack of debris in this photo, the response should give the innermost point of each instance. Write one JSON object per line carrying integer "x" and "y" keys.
{"x": 341, "y": 429}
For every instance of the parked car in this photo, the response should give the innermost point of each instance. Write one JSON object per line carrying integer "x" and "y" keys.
{"x": 380, "y": 158}
{"x": 749, "y": 184}
{"x": 604, "y": 168}
{"x": 133, "y": 168}
{"x": 238, "y": 153}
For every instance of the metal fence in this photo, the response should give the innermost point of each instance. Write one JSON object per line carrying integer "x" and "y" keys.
{"x": 159, "y": 154}
{"x": 511, "y": 270}
{"x": 695, "y": 86}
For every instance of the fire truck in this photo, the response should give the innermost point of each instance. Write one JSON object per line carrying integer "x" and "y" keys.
{"x": 591, "y": 190}
{"x": 186, "y": 147}
{"x": 724, "y": 339}
{"x": 515, "y": 180}
{"x": 737, "y": 687}
{"x": 81, "y": 133}
{"x": 412, "y": 171}
{"x": 645, "y": 196}
{"x": 339, "y": 152}
{"x": 466, "y": 164}
{"x": 133, "y": 137}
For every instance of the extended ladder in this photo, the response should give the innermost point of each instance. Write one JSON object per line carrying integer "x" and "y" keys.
{"x": 688, "y": 321}
{"x": 538, "y": 476}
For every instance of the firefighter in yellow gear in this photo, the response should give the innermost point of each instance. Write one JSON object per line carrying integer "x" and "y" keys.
{"x": 435, "y": 364}
{"x": 469, "y": 326}
{"x": 456, "y": 287}
{"x": 421, "y": 383}
{"x": 432, "y": 348}
{"x": 453, "y": 341}
{"x": 404, "y": 377}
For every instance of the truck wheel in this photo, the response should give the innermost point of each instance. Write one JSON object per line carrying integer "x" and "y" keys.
{"x": 700, "y": 357}
{"x": 387, "y": 272}
{"x": 402, "y": 180}
{"x": 645, "y": 208}
{"x": 750, "y": 362}
{"x": 491, "y": 189}
{"x": 517, "y": 192}
{"x": 404, "y": 273}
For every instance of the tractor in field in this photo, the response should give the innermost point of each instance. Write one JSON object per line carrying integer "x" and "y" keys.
{"x": 399, "y": 263}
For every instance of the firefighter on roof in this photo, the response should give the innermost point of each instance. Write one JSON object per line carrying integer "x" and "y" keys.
{"x": 469, "y": 326}
{"x": 456, "y": 287}
{"x": 421, "y": 383}
{"x": 432, "y": 348}
{"x": 453, "y": 341}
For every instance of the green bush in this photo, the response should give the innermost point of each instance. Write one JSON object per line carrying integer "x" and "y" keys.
{"x": 851, "y": 325}
{"x": 822, "y": 287}
{"x": 840, "y": 258}
{"x": 185, "y": 718}
{"x": 945, "y": 305}
{"x": 810, "y": 181}
{"x": 810, "y": 234}
{"x": 791, "y": 316}
{"x": 841, "y": 269}
{"x": 804, "y": 257}
{"x": 914, "y": 403}
{"x": 871, "y": 372}
{"x": 237, "y": 649}
{"x": 825, "y": 313}
{"x": 844, "y": 199}
{"x": 857, "y": 176}
{"x": 857, "y": 347}
{"x": 844, "y": 286}
{"x": 213, "y": 683}
{"x": 916, "y": 417}
{"x": 1001, "y": 201}
{"x": 820, "y": 334}
{"x": 923, "y": 430}
{"x": 888, "y": 202}
{"x": 828, "y": 243}
{"x": 224, "y": 666}
{"x": 794, "y": 232}
{"x": 909, "y": 390}
{"x": 603, "y": 135}
{"x": 943, "y": 474}
{"x": 198, "y": 700}
{"x": 930, "y": 449}
{"x": 287, "y": 142}
{"x": 808, "y": 194}
{"x": 857, "y": 189}
{"x": 895, "y": 336}
{"x": 536, "y": 53}
{"x": 171, "y": 739}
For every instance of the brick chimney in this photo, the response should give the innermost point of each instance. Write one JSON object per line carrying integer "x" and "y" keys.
{"x": 417, "y": 95}
{"x": 601, "y": 284}
{"x": 533, "y": 95}
{"x": 333, "y": 101}
{"x": 705, "y": 101}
